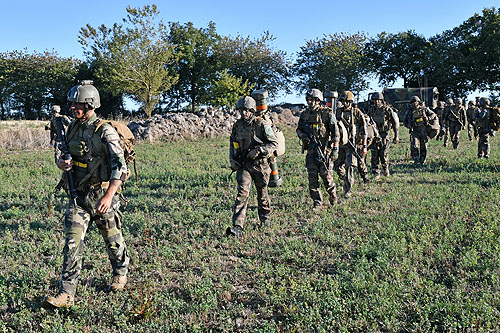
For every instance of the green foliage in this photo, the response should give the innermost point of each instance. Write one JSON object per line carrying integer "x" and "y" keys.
{"x": 134, "y": 56}
{"x": 255, "y": 61}
{"x": 417, "y": 251}
{"x": 196, "y": 65}
{"x": 334, "y": 62}
{"x": 227, "y": 89}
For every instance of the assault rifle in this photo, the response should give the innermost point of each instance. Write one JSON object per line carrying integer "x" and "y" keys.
{"x": 63, "y": 146}
{"x": 242, "y": 156}
{"x": 316, "y": 145}
{"x": 351, "y": 144}
{"x": 457, "y": 118}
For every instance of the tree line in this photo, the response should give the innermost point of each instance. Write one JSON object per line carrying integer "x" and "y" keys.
{"x": 173, "y": 66}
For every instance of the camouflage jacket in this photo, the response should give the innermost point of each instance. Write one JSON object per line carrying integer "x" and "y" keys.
{"x": 482, "y": 118}
{"x": 247, "y": 135}
{"x": 97, "y": 155}
{"x": 417, "y": 117}
{"x": 385, "y": 119}
{"x": 52, "y": 126}
{"x": 470, "y": 114}
{"x": 322, "y": 123}
{"x": 455, "y": 114}
{"x": 439, "y": 113}
{"x": 354, "y": 122}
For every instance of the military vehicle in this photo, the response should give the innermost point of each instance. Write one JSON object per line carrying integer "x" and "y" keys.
{"x": 400, "y": 97}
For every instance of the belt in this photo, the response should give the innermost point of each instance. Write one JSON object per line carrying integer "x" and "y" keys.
{"x": 79, "y": 164}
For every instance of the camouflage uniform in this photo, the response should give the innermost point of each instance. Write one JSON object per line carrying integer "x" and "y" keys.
{"x": 322, "y": 123}
{"x": 445, "y": 126}
{"x": 439, "y": 111}
{"x": 482, "y": 119}
{"x": 471, "y": 125}
{"x": 455, "y": 118}
{"x": 245, "y": 136}
{"x": 385, "y": 119}
{"x": 416, "y": 119}
{"x": 52, "y": 127}
{"x": 98, "y": 158}
{"x": 355, "y": 124}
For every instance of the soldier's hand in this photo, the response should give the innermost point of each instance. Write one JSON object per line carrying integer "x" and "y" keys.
{"x": 235, "y": 165}
{"x": 396, "y": 140}
{"x": 335, "y": 154}
{"x": 253, "y": 153}
{"x": 63, "y": 164}
{"x": 103, "y": 204}
{"x": 492, "y": 133}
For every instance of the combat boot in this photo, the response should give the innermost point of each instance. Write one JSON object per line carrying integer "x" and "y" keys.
{"x": 386, "y": 172}
{"x": 317, "y": 206}
{"x": 365, "y": 178}
{"x": 61, "y": 300}
{"x": 348, "y": 194}
{"x": 118, "y": 283}
{"x": 333, "y": 199}
{"x": 235, "y": 231}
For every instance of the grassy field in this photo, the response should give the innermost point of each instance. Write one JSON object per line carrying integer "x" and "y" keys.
{"x": 418, "y": 252}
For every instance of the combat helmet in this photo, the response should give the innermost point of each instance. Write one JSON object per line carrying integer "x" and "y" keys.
{"x": 85, "y": 93}
{"x": 458, "y": 101}
{"x": 314, "y": 93}
{"x": 246, "y": 103}
{"x": 484, "y": 101}
{"x": 377, "y": 95}
{"x": 414, "y": 99}
{"x": 348, "y": 96}
{"x": 56, "y": 109}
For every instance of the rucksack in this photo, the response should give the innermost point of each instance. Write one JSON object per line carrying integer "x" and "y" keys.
{"x": 495, "y": 118}
{"x": 127, "y": 141}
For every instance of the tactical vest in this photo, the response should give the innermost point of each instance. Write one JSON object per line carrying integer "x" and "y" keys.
{"x": 90, "y": 161}
{"x": 314, "y": 119}
{"x": 379, "y": 117}
{"x": 483, "y": 117}
{"x": 418, "y": 117}
{"x": 245, "y": 133}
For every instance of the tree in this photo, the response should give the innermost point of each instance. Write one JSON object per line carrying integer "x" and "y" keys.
{"x": 196, "y": 65}
{"x": 255, "y": 61}
{"x": 334, "y": 62}
{"x": 134, "y": 57}
{"x": 401, "y": 55}
{"x": 227, "y": 88}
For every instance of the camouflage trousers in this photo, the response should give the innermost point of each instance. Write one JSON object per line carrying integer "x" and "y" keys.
{"x": 418, "y": 144}
{"x": 258, "y": 171}
{"x": 345, "y": 165}
{"x": 314, "y": 168}
{"x": 455, "y": 129}
{"x": 483, "y": 145}
{"x": 77, "y": 220}
{"x": 380, "y": 151}
{"x": 472, "y": 131}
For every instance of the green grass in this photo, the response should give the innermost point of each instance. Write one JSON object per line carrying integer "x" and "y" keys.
{"x": 419, "y": 251}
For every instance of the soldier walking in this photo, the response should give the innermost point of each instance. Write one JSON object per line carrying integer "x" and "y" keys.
{"x": 349, "y": 154}
{"x": 482, "y": 119}
{"x": 416, "y": 119}
{"x": 319, "y": 133}
{"x": 98, "y": 169}
{"x": 471, "y": 125}
{"x": 52, "y": 127}
{"x": 455, "y": 117}
{"x": 439, "y": 111}
{"x": 252, "y": 141}
{"x": 385, "y": 119}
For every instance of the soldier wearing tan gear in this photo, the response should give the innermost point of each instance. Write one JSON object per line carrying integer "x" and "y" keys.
{"x": 99, "y": 169}
{"x": 416, "y": 119}
{"x": 482, "y": 119}
{"x": 252, "y": 141}
{"x": 455, "y": 117}
{"x": 349, "y": 155}
{"x": 471, "y": 124}
{"x": 439, "y": 111}
{"x": 319, "y": 133}
{"x": 385, "y": 119}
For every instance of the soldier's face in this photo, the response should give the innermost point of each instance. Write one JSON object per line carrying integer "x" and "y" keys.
{"x": 246, "y": 114}
{"x": 78, "y": 110}
{"x": 312, "y": 101}
{"x": 378, "y": 103}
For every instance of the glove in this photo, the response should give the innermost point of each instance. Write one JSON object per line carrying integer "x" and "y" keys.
{"x": 492, "y": 133}
{"x": 335, "y": 153}
{"x": 305, "y": 139}
{"x": 252, "y": 154}
{"x": 235, "y": 165}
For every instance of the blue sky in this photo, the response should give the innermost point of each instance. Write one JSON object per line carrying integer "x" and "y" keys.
{"x": 54, "y": 25}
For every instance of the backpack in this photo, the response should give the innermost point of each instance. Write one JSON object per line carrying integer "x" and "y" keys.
{"x": 495, "y": 118}
{"x": 127, "y": 141}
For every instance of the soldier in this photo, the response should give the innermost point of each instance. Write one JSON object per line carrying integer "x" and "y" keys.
{"x": 99, "y": 169}
{"x": 52, "y": 127}
{"x": 482, "y": 119}
{"x": 416, "y": 119}
{"x": 439, "y": 111}
{"x": 471, "y": 125}
{"x": 319, "y": 133}
{"x": 252, "y": 141}
{"x": 385, "y": 119}
{"x": 455, "y": 117}
{"x": 349, "y": 154}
